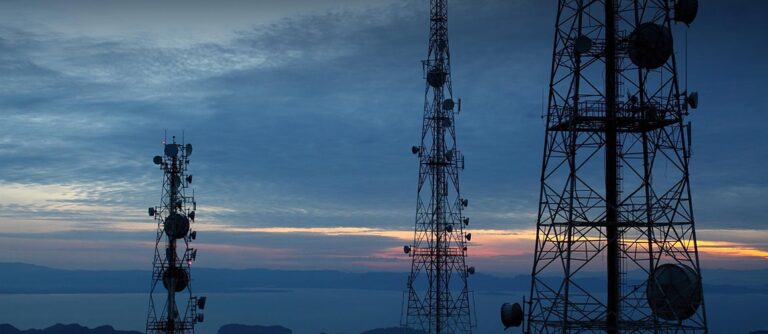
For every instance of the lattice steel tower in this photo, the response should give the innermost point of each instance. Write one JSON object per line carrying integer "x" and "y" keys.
{"x": 615, "y": 245}
{"x": 437, "y": 293}
{"x": 173, "y": 259}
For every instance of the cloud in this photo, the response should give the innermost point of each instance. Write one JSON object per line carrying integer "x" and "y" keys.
{"x": 301, "y": 118}
{"x": 110, "y": 97}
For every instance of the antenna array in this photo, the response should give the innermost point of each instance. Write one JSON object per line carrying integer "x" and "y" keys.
{"x": 171, "y": 275}
{"x": 437, "y": 293}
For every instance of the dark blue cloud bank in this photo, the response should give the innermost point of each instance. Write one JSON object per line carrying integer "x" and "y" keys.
{"x": 303, "y": 116}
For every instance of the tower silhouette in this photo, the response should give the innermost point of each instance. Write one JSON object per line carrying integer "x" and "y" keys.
{"x": 437, "y": 294}
{"x": 615, "y": 244}
{"x": 171, "y": 274}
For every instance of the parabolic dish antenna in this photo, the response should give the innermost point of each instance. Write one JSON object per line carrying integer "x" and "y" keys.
{"x": 188, "y": 149}
{"x": 176, "y": 226}
{"x": 175, "y": 279}
{"x": 674, "y": 292}
{"x": 692, "y": 100}
{"x": 650, "y": 45}
{"x": 436, "y": 77}
{"x": 582, "y": 44}
{"x": 511, "y": 315}
{"x": 448, "y": 104}
{"x": 686, "y": 10}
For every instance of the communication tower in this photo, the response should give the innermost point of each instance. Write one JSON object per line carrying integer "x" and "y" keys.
{"x": 616, "y": 246}
{"x": 172, "y": 308}
{"x": 437, "y": 294}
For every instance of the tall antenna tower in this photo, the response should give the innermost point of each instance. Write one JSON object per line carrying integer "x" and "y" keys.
{"x": 615, "y": 200}
{"x": 173, "y": 254}
{"x": 438, "y": 297}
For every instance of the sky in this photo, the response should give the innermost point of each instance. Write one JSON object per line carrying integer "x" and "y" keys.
{"x": 302, "y": 114}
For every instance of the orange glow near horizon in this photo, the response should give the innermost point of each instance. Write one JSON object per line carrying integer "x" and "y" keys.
{"x": 494, "y": 242}
{"x": 497, "y": 248}
{"x": 726, "y": 248}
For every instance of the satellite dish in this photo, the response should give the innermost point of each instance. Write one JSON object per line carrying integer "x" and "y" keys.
{"x": 192, "y": 216}
{"x": 692, "y": 100}
{"x": 468, "y": 236}
{"x": 175, "y": 279}
{"x": 686, "y": 10}
{"x": 157, "y": 160}
{"x": 449, "y": 228}
{"x": 151, "y": 212}
{"x": 406, "y": 249}
{"x": 201, "y": 302}
{"x": 188, "y": 149}
{"x": 448, "y": 104}
{"x": 466, "y": 221}
{"x": 650, "y": 45}
{"x": 471, "y": 270}
{"x": 415, "y": 149}
{"x": 189, "y": 178}
{"x": 436, "y": 77}
{"x": 176, "y": 226}
{"x": 674, "y": 292}
{"x": 464, "y": 202}
{"x": 193, "y": 235}
{"x": 171, "y": 150}
{"x": 511, "y": 315}
{"x": 582, "y": 44}
{"x": 200, "y": 317}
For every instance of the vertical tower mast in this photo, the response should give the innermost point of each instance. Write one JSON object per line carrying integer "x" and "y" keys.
{"x": 615, "y": 203}
{"x": 171, "y": 268}
{"x": 438, "y": 297}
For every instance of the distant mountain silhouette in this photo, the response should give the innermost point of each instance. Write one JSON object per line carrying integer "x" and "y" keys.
{"x": 393, "y": 330}
{"x": 255, "y": 329}
{"x": 27, "y": 278}
{"x": 64, "y": 329}
{"x": 226, "y": 329}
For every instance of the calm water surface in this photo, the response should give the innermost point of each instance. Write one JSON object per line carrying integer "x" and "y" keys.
{"x": 312, "y": 311}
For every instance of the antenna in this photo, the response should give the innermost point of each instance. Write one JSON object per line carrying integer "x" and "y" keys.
{"x": 437, "y": 287}
{"x": 594, "y": 215}
{"x": 171, "y": 289}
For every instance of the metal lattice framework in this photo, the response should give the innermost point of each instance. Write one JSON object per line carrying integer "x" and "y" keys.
{"x": 437, "y": 293}
{"x": 615, "y": 199}
{"x": 171, "y": 274}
